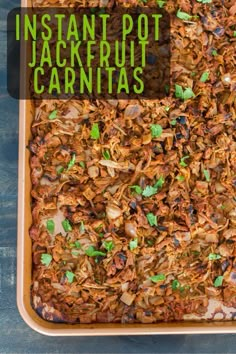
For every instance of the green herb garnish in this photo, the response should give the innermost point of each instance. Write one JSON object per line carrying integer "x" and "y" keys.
{"x": 214, "y": 53}
{"x": 150, "y": 242}
{"x": 106, "y": 155}
{"x": 188, "y": 93}
{"x": 60, "y": 170}
{"x": 183, "y": 15}
{"x": 173, "y": 122}
{"x": 133, "y": 244}
{"x": 46, "y": 259}
{"x": 159, "y": 183}
{"x": 205, "y": 76}
{"x": 234, "y": 34}
{"x": 182, "y": 163}
{"x": 156, "y": 130}
{"x": 195, "y": 253}
{"x": 214, "y": 256}
{"x": 152, "y": 219}
{"x": 108, "y": 245}
{"x": 81, "y": 228}
{"x": 161, "y": 3}
{"x": 70, "y": 276}
{"x": 175, "y": 284}
{"x": 157, "y": 278}
{"x": 66, "y": 225}
{"x": 137, "y": 189}
{"x": 98, "y": 228}
{"x": 183, "y": 288}
{"x": 82, "y": 164}
{"x": 75, "y": 253}
{"x": 77, "y": 244}
{"x": 183, "y": 94}
{"x": 53, "y": 115}
{"x": 50, "y": 226}
{"x": 205, "y": 1}
{"x": 218, "y": 281}
{"x": 95, "y": 133}
{"x": 149, "y": 191}
{"x": 207, "y": 175}
{"x": 179, "y": 92}
{"x": 180, "y": 178}
{"x": 71, "y": 163}
{"x": 92, "y": 252}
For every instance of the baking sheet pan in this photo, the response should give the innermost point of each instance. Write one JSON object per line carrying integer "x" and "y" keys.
{"x": 24, "y": 260}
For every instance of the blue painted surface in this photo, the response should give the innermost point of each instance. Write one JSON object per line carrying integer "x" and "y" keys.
{"x": 15, "y": 336}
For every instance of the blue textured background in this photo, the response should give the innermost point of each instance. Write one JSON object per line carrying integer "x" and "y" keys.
{"x": 15, "y": 335}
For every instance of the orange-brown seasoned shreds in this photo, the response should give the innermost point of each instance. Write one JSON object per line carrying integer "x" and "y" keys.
{"x": 133, "y": 202}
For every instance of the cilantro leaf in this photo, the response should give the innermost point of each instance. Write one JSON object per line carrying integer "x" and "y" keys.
{"x": 71, "y": 163}
{"x": 159, "y": 183}
{"x": 214, "y": 53}
{"x": 180, "y": 178}
{"x": 98, "y": 228}
{"x": 149, "y": 191}
{"x": 92, "y": 252}
{"x": 173, "y": 122}
{"x": 207, "y": 175}
{"x": 179, "y": 93}
{"x": 205, "y": 1}
{"x": 175, "y": 284}
{"x": 50, "y": 226}
{"x": 53, "y": 115}
{"x": 106, "y": 155}
{"x": 182, "y": 163}
{"x": 81, "y": 228}
{"x": 66, "y": 225}
{"x": 218, "y": 281}
{"x": 75, "y": 253}
{"x": 95, "y": 133}
{"x": 183, "y": 94}
{"x": 60, "y": 170}
{"x": 156, "y": 130}
{"x": 108, "y": 245}
{"x": 137, "y": 189}
{"x": 152, "y": 219}
{"x": 46, "y": 259}
{"x": 157, "y": 278}
{"x": 161, "y": 3}
{"x": 82, "y": 164}
{"x": 188, "y": 93}
{"x": 214, "y": 256}
{"x": 183, "y": 15}
{"x": 70, "y": 276}
{"x": 133, "y": 244}
{"x": 205, "y": 76}
{"x": 77, "y": 244}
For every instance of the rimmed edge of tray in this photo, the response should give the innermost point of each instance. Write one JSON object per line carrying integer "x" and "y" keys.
{"x": 24, "y": 259}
